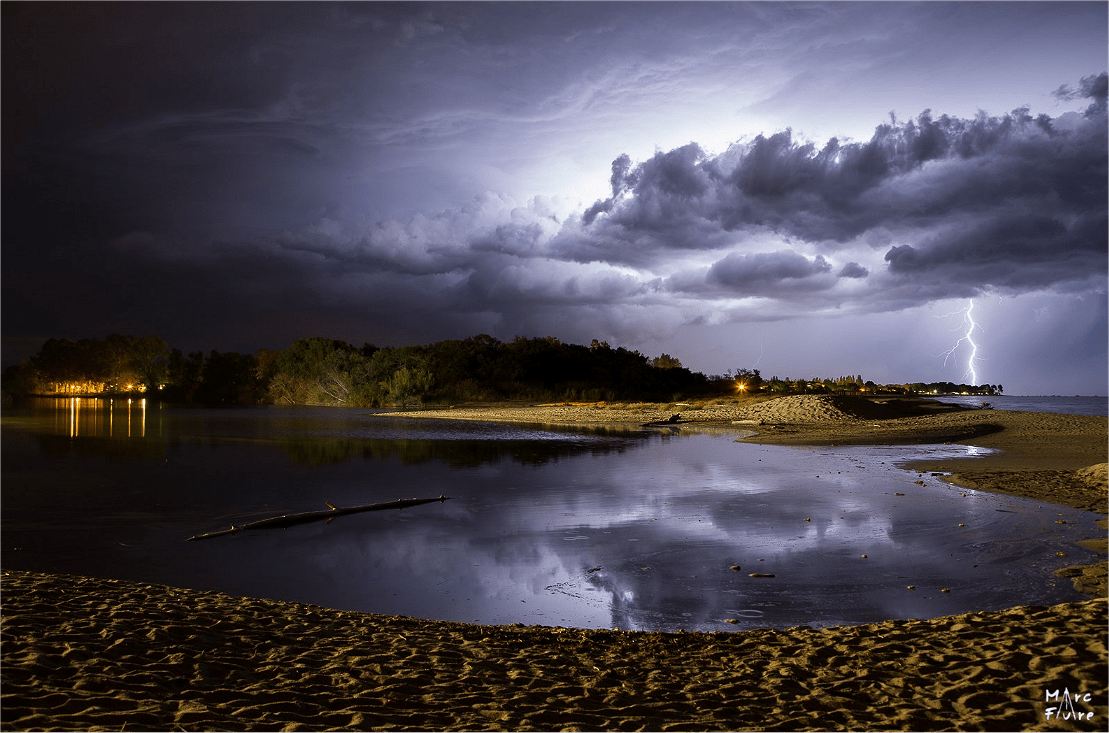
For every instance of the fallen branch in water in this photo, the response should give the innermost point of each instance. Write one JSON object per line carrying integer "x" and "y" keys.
{"x": 662, "y": 423}
{"x": 290, "y": 520}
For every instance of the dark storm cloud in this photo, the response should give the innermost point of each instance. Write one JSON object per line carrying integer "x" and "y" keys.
{"x": 620, "y": 181}
{"x": 1093, "y": 87}
{"x": 853, "y": 270}
{"x": 949, "y": 207}
{"x": 769, "y": 274}
{"x": 206, "y": 116}
{"x": 1012, "y": 202}
{"x": 480, "y": 235}
{"x": 1000, "y": 249}
{"x": 660, "y": 204}
{"x": 741, "y": 271}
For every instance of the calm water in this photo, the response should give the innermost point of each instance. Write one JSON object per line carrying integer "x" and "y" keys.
{"x": 1065, "y": 405}
{"x": 636, "y": 529}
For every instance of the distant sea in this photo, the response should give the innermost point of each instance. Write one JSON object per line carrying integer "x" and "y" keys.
{"x": 1054, "y": 403}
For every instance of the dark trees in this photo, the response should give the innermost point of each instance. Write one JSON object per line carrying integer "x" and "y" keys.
{"x": 325, "y": 371}
{"x": 117, "y": 364}
{"x": 229, "y": 379}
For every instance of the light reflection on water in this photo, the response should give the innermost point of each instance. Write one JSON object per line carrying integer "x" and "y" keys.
{"x": 122, "y": 417}
{"x": 619, "y": 527}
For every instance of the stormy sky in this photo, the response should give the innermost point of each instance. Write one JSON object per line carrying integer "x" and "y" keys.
{"x": 810, "y": 189}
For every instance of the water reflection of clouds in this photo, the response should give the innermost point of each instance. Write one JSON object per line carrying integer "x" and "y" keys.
{"x": 586, "y": 540}
{"x": 628, "y": 530}
{"x": 915, "y": 534}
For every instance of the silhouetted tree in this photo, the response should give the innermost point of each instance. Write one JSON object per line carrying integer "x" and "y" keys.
{"x": 230, "y": 379}
{"x": 666, "y": 362}
{"x": 149, "y": 361}
{"x": 183, "y": 374}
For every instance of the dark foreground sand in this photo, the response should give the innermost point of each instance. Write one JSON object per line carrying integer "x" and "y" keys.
{"x": 84, "y": 654}
{"x": 91, "y": 654}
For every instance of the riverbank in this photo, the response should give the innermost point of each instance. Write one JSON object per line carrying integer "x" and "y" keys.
{"x": 89, "y": 654}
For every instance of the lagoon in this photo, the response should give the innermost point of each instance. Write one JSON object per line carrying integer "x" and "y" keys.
{"x": 598, "y": 528}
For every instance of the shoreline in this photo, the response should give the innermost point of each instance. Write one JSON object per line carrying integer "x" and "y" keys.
{"x": 93, "y": 654}
{"x": 1022, "y": 442}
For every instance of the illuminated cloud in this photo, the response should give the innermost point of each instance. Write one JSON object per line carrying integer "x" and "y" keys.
{"x": 1005, "y": 202}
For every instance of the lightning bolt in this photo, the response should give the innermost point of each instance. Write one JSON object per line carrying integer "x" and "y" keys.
{"x": 969, "y": 324}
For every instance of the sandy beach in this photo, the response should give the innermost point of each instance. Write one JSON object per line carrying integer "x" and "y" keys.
{"x": 85, "y": 654}
{"x": 96, "y": 654}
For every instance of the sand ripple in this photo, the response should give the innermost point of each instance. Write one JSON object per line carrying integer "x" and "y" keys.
{"x": 88, "y": 654}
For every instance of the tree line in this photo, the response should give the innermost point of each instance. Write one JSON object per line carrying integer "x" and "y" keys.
{"x": 321, "y": 371}
{"x": 752, "y": 382}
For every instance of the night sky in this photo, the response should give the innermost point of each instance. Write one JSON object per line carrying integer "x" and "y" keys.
{"x": 810, "y": 189}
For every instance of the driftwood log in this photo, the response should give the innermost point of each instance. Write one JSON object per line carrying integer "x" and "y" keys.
{"x": 291, "y": 520}
{"x": 662, "y": 423}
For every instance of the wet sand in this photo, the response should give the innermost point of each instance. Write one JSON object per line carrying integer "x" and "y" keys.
{"x": 92, "y": 654}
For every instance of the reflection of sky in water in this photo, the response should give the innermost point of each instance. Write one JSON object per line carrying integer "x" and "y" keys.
{"x": 617, "y": 528}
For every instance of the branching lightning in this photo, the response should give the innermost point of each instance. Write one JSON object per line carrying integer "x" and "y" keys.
{"x": 969, "y": 325}
{"x": 762, "y": 351}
